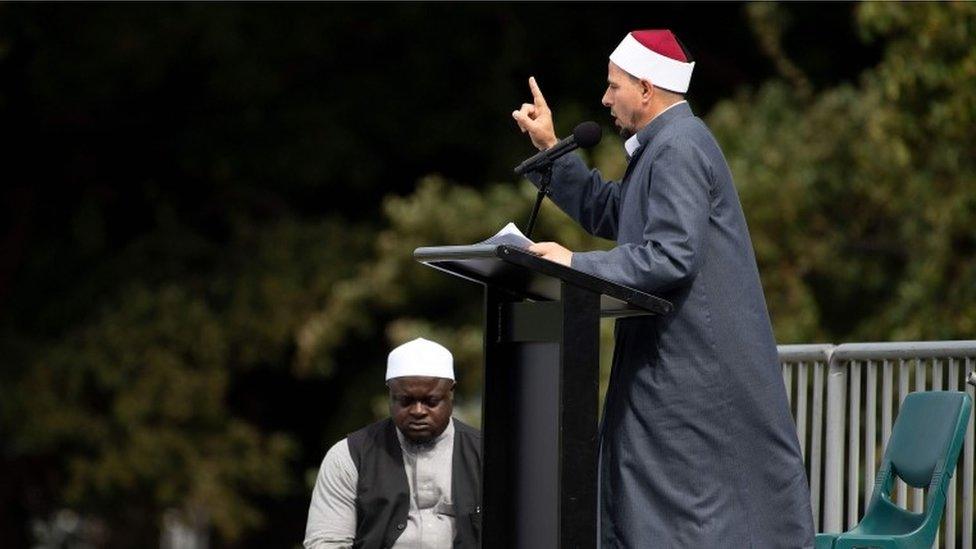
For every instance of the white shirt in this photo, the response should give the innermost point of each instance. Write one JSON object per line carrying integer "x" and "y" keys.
{"x": 430, "y": 521}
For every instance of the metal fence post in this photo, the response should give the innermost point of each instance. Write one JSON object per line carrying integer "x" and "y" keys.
{"x": 833, "y": 502}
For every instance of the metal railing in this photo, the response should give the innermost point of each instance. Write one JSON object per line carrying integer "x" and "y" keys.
{"x": 834, "y": 397}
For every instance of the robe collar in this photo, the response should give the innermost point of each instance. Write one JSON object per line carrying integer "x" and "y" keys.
{"x": 644, "y": 136}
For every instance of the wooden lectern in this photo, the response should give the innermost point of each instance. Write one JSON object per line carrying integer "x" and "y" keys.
{"x": 541, "y": 390}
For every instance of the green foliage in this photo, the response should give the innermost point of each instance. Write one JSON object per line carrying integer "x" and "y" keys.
{"x": 861, "y": 199}
{"x": 134, "y": 404}
{"x": 135, "y": 401}
{"x": 395, "y": 295}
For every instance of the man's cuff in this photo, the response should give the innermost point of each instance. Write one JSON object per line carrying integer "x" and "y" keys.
{"x": 587, "y": 262}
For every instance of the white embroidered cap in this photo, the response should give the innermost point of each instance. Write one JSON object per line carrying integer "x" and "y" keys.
{"x": 420, "y": 357}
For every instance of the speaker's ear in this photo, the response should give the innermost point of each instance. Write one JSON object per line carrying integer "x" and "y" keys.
{"x": 647, "y": 89}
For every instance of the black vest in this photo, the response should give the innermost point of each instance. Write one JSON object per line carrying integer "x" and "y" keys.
{"x": 383, "y": 494}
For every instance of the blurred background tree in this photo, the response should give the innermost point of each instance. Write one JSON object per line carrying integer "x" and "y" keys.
{"x": 861, "y": 197}
{"x": 210, "y": 210}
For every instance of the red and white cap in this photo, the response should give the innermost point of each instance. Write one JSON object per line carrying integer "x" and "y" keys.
{"x": 655, "y": 56}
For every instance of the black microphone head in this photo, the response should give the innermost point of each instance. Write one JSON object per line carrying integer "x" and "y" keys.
{"x": 587, "y": 134}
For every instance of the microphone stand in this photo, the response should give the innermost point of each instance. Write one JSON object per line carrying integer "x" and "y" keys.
{"x": 543, "y": 191}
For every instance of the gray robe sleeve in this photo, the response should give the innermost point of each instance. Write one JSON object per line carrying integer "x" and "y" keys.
{"x": 678, "y": 199}
{"x": 332, "y": 512}
{"x": 584, "y": 195}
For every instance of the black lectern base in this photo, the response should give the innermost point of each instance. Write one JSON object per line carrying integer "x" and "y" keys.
{"x": 542, "y": 346}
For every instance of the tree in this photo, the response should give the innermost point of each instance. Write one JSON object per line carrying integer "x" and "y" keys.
{"x": 395, "y": 298}
{"x": 860, "y": 197}
{"x": 140, "y": 408}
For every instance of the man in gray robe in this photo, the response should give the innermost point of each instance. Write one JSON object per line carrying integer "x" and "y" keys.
{"x": 697, "y": 446}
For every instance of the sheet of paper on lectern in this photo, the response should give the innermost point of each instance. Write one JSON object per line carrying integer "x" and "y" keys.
{"x": 510, "y": 235}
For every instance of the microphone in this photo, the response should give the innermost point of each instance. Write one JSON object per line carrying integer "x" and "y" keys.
{"x": 585, "y": 135}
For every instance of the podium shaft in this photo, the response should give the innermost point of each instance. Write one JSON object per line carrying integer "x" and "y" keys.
{"x": 540, "y": 420}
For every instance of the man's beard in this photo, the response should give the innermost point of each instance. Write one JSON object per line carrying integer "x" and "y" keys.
{"x": 624, "y": 131}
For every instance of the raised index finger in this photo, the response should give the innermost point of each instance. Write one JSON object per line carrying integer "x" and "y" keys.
{"x": 536, "y": 93}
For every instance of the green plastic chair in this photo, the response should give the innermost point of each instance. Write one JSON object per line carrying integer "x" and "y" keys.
{"x": 922, "y": 451}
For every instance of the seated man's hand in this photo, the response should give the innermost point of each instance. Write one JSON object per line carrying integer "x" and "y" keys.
{"x": 552, "y": 252}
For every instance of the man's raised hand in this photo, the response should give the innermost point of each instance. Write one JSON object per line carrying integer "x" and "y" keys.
{"x": 536, "y": 119}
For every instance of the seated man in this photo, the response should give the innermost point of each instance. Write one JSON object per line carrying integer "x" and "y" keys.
{"x": 410, "y": 480}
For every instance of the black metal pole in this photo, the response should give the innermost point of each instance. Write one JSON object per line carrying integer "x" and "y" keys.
{"x": 543, "y": 191}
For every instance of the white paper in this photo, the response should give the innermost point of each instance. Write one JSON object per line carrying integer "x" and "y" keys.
{"x": 510, "y": 235}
